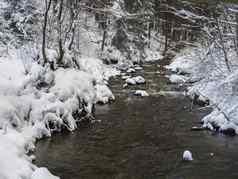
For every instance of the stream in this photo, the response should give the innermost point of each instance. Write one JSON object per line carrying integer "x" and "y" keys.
{"x": 141, "y": 138}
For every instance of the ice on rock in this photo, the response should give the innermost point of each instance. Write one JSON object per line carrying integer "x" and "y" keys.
{"x": 187, "y": 156}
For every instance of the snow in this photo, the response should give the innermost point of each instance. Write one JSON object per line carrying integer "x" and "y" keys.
{"x": 141, "y": 93}
{"x": 135, "y": 80}
{"x": 131, "y": 70}
{"x": 152, "y": 55}
{"x": 138, "y": 68}
{"x": 14, "y": 162}
{"x": 104, "y": 94}
{"x": 131, "y": 81}
{"x": 125, "y": 77}
{"x": 177, "y": 78}
{"x": 187, "y": 156}
{"x": 43, "y": 173}
{"x": 184, "y": 62}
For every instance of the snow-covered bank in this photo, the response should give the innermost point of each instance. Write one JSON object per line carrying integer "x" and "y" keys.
{"x": 211, "y": 80}
{"x": 36, "y": 101}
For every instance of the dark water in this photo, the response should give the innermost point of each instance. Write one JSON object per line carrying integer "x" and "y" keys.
{"x": 141, "y": 138}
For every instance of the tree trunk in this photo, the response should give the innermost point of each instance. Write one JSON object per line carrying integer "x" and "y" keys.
{"x": 60, "y": 42}
{"x": 47, "y": 6}
{"x": 103, "y": 39}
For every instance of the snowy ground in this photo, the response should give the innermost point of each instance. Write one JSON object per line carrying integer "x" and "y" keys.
{"x": 211, "y": 81}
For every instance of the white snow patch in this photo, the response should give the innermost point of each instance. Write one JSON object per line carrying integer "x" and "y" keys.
{"x": 153, "y": 55}
{"x": 141, "y": 93}
{"x": 135, "y": 80}
{"x": 131, "y": 70}
{"x": 42, "y": 173}
{"x": 177, "y": 78}
{"x": 187, "y": 156}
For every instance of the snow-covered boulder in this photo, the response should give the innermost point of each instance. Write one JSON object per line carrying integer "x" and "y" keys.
{"x": 103, "y": 94}
{"x": 131, "y": 81}
{"x": 187, "y": 156}
{"x": 141, "y": 93}
{"x": 135, "y": 80}
{"x": 177, "y": 78}
{"x": 131, "y": 70}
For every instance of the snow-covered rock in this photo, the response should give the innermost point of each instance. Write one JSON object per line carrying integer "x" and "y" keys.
{"x": 187, "y": 156}
{"x": 104, "y": 94}
{"x": 131, "y": 70}
{"x": 131, "y": 81}
{"x": 212, "y": 83}
{"x": 141, "y": 93}
{"x": 135, "y": 80}
{"x": 138, "y": 68}
{"x": 177, "y": 78}
{"x": 153, "y": 55}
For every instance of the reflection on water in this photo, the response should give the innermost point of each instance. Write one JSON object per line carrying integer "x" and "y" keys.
{"x": 141, "y": 138}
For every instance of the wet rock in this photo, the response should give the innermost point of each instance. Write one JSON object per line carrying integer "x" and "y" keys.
{"x": 201, "y": 101}
{"x": 229, "y": 131}
{"x": 114, "y": 61}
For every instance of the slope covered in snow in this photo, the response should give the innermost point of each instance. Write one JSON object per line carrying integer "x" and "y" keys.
{"x": 211, "y": 81}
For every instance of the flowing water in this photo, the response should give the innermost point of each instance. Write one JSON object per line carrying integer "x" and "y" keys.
{"x": 141, "y": 138}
